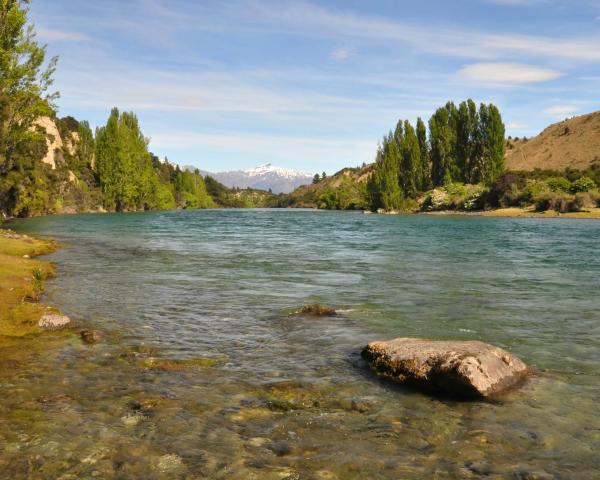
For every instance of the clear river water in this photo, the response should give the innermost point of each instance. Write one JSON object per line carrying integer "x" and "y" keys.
{"x": 202, "y": 373}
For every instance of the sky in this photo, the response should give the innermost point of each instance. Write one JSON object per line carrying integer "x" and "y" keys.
{"x": 314, "y": 85}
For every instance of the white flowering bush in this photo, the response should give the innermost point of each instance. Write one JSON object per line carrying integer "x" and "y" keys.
{"x": 454, "y": 196}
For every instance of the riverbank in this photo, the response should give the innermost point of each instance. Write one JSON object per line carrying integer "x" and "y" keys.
{"x": 515, "y": 212}
{"x": 22, "y": 279}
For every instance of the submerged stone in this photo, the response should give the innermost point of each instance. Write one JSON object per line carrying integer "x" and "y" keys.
{"x": 54, "y": 321}
{"x": 317, "y": 310}
{"x": 458, "y": 368}
{"x": 90, "y": 336}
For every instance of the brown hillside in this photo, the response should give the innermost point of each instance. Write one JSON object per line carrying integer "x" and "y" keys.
{"x": 571, "y": 143}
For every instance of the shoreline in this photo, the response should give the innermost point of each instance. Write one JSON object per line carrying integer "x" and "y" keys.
{"x": 22, "y": 279}
{"x": 516, "y": 212}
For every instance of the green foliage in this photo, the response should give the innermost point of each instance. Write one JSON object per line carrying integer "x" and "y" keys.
{"x": 190, "y": 190}
{"x": 455, "y": 196}
{"x": 583, "y": 184}
{"x": 347, "y": 195}
{"x": 23, "y": 83}
{"x": 559, "y": 184}
{"x": 384, "y": 185}
{"x": 465, "y": 145}
{"x": 563, "y": 191}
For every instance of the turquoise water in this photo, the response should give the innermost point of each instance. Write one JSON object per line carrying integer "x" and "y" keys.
{"x": 289, "y": 397}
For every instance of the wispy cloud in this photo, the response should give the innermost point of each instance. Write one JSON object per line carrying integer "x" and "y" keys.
{"x": 341, "y": 54}
{"x": 309, "y": 19}
{"x": 562, "y": 111}
{"x": 517, "y": 126}
{"x": 507, "y": 73}
{"x": 53, "y": 35}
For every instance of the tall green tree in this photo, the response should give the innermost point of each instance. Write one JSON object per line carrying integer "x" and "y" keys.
{"x": 384, "y": 187}
{"x": 441, "y": 139}
{"x": 125, "y": 168}
{"x": 466, "y": 137}
{"x": 492, "y": 145}
{"x": 23, "y": 81}
{"x": 424, "y": 153}
{"x": 410, "y": 164}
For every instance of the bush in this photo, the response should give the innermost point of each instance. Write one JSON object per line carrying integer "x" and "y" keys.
{"x": 455, "y": 196}
{"x": 584, "y": 184}
{"x": 436, "y": 199}
{"x": 585, "y": 200}
{"x": 559, "y": 184}
{"x": 506, "y": 191}
{"x": 562, "y": 203}
{"x": 534, "y": 190}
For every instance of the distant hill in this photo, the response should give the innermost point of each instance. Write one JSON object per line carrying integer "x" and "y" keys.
{"x": 573, "y": 143}
{"x": 345, "y": 190}
{"x": 264, "y": 177}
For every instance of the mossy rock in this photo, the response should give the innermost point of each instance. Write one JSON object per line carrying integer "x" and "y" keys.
{"x": 316, "y": 310}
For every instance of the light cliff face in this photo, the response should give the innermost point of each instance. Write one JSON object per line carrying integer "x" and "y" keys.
{"x": 57, "y": 145}
{"x": 54, "y": 141}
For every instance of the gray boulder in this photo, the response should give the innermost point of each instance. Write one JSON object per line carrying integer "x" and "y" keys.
{"x": 469, "y": 369}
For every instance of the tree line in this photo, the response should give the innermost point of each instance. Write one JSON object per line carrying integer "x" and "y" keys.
{"x": 110, "y": 168}
{"x": 463, "y": 144}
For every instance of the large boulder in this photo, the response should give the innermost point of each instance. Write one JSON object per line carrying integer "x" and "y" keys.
{"x": 458, "y": 368}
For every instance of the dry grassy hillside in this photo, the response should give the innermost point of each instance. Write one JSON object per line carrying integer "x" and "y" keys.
{"x": 571, "y": 143}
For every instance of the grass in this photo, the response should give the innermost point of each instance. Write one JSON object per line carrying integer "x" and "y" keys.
{"x": 22, "y": 282}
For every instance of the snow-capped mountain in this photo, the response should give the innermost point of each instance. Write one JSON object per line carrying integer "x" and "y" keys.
{"x": 264, "y": 177}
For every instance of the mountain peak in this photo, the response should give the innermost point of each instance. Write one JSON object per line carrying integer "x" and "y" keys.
{"x": 265, "y": 177}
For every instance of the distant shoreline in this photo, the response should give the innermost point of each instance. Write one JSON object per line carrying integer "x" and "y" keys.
{"x": 514, "y": 212}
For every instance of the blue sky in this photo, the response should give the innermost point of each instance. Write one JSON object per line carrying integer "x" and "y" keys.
{"x": 314, "y": 85}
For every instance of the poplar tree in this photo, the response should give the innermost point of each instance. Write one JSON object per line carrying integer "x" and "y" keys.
{"x": 410, "y": 166}
{"x": 441, "y": 138}
{"x": 424, "y": 153}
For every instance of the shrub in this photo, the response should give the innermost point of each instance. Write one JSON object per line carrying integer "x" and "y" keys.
{"x": 455, "y": 196}
{"x": 534, "y": 190}
{"x": 436, "y": 199}
{"x": 584, "y": 184}
{"x": 559, "y": 184}
{"x": 585, "y": 200}
{"x": 563, "y": 203}
{"x": 507, "y": 189}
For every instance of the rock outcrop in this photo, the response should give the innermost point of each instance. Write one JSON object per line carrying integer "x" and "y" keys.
{"x": 469, "y": 369}
{"x": 54, "y": 322}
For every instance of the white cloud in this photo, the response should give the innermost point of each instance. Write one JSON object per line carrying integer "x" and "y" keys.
{"x": 308, "y": 19}
{"x": 507, "y": 73}
{"x": 561, "y": 111}
{"x": 340, "y": 54}
{"x": 53, "y": 35}
{"x": 517, "y": 126}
